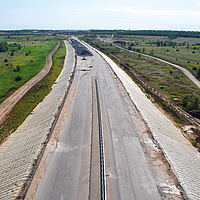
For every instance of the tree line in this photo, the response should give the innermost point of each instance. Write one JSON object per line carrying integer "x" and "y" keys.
{"x": 169, "y": 33}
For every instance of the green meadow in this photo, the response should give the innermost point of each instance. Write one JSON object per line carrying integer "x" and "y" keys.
{"x": 166, "y": 78}
{"x": 25, "y": 106}
{"x": 24, "y": 62}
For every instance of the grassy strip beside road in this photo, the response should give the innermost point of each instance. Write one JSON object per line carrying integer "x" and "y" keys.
{"x": 25, "y": 106}
{"x": 166, "y": 78}
{"x": 163, "y": 77}
{"x": 18, "y": 65}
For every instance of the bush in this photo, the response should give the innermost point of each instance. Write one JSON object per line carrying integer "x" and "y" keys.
{"x": 198, "y": 72}
{"x": 6, "y": 60}
{"x": 193, "y": 52}
{"x": 171, "y": 72}
{"x": 185, "y": 100}
{"x": 188, "y": 61}
{"x": 26, "y": 54}
{"x": 18, "y": 78}
{"x": 194, "y": 68}
{"x": 3, "y": 46}
{"x": 17, "y": 69}
{"x": 177, "y": 49}
{"x": 138, "y": 50}
{"x": 12, "y": 54}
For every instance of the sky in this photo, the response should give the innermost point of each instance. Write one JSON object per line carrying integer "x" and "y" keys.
{"x": 102, "y": 14}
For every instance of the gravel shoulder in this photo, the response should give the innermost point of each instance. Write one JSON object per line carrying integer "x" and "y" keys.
{"x": 182, "y": 156}
{"x": 21, "y": 149}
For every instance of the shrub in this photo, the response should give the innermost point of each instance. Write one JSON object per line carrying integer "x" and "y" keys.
{"x": 17, "y": 69}
{"x": 6, "y": 60}
{"x": 161, "y": 87}
{"x": 171, "y": 72}
{"x": 12, "y": 54}
{"x": 18, "y": 78}
{"x": 3, "y": 46}
{"x": 177, "y": 49}
{"x": 194, "y": 68}
{"x": 26, "y": 54}
{"x": 188, "y": 61}
{"x": 138, "y": 50}
{"x": 198, "y": 72}
{"x": 185, "y": 100}
{"x": 193, "y": 52}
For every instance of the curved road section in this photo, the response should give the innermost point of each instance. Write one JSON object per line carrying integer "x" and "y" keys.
{"x": 185, "y": 71}
{"x": 7, "y": 105}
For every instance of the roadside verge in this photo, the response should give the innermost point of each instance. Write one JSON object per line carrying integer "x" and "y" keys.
{"x": 182, "y": 156}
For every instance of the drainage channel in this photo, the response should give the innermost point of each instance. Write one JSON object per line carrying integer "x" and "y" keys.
{"x": 100, "y": 145}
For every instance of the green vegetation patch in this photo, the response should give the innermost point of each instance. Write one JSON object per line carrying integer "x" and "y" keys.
{"x": 167, "y": 79}
{"x": 25, "y": 106}
{"x": 24, "y": 63}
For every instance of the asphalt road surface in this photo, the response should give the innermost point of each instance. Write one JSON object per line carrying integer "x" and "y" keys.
{"x": 72, "y": 160}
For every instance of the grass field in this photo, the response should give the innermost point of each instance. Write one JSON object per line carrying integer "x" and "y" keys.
{"x": 167, "y": 79}
{"x": 25, "y": 106}
{"x": 186, "y": 51}
{"x": 30, "y": 59}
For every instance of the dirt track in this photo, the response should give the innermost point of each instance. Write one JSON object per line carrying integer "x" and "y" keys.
{"x": 7, "y": 105}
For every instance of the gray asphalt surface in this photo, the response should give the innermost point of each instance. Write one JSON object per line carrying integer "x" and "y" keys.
{"x": 67, "y": 175}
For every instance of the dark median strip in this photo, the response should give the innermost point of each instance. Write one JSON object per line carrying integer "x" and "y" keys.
{"x": 101, "y": 145}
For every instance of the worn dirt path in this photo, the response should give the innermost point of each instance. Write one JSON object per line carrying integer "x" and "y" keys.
{"x": 182, "y": 69}
{"x": 7, "y": 105}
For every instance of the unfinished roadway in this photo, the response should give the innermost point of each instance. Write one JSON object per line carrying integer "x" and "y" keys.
{"x": 21, "y": 149}
{"x": 70, "y": 167}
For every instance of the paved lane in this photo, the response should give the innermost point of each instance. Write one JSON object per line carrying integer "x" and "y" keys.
{"x": 130, "y": 168}
{"x": 22, "y": 148}
{"x": 67, "y": 175}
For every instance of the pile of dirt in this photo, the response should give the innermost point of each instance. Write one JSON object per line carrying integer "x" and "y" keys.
{"x": 80, "y": 49}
